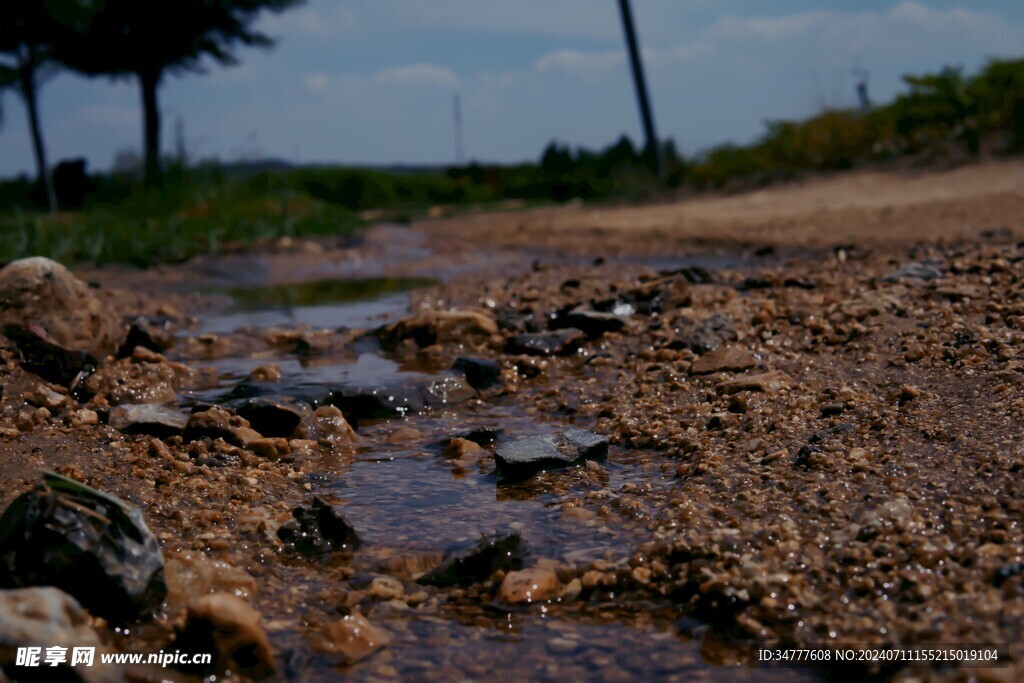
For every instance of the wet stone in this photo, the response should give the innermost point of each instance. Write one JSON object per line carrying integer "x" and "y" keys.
{"x": 149, "y": 334}
{"x": 43, "y": 356}
{"x": 592, "y": 323}
{"x": 524, "y": 458}
{"x": 227, "y": 627}
{"x": 479, "y": 372}
{"x": 274, "y": 415}
{"x": 371, "y": 403}
{"x": 147, "y": 418}
{"x": 353, "y": 638}
{"x": 218, "y": 423}
{"x": 317, "y": 529}
{"x": 529, "y": 585}
{"x": 446, "y": 391}
{"x": 85, "y": 542}
{"x": 554, "y": 343}
{"x": 466, "y": 566}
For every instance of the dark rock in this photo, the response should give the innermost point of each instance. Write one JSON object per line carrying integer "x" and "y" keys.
{"x": 85, "y": 542}
{"x": 832, "y": 409}
{"x": 531, "y": 455}
{"x": 480, "y": 373}
{"x": 274, "y": 415}
{"x": 466, "y": 566}
{"x": 916, "y": 271}
{"x": 556, "y": 342}
{"x": 800, "y": 283}
{"x": 147, "y": 418}
{"x": 592, "y": 323}
{"x": 371, "y": 403}
{"x": 317, "y": 529}
{"x": 754, "y": 282}
{"x": 218, "y": 423}
{"x": 447, "y": 390}
{"x": 46, "y": 358}
{"x": 149, "y": 334}
{"x": 1007, "y": 572}
{"x": 706, "y": 335}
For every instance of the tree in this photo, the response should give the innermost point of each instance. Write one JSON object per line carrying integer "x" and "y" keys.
{"x": 150, "y": 39}
{"x": 27, "y": 28}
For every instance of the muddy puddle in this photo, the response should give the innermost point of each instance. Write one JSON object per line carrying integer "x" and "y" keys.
{"x": 409, "y": 499}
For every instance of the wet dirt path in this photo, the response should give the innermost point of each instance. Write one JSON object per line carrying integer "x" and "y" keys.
{"x": 813, "y": 419}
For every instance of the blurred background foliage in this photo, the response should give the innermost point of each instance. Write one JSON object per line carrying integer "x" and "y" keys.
{"x": 945, "y": 117}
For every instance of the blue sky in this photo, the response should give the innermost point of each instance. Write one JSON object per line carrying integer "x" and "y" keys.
{"x": 372, "y": 81}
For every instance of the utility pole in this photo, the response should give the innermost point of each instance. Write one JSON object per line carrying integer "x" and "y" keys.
{"x": 457, "y": 110}
{"x": 641, "y": 85}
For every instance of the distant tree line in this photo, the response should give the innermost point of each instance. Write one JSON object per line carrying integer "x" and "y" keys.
{"x": 141, "y": 39}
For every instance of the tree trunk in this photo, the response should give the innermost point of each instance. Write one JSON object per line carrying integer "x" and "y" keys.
{"x": 26, "y": 74}
{"x": 149, "y": 81}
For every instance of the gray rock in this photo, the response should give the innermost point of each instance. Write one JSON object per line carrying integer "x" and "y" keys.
{"x": 318, "y": 528}
{"x": 706, "y": 335}
{"x": 524, "y": 458}
{"x": 916, "y": 270}
{"x": 148, "y": 418}
{"x": 553, "y": 343}
{"x": 90, "y": 544}
{"x": 49, "y": 617}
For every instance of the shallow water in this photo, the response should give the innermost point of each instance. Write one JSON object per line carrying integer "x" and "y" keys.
{"x": 403, "y": 496}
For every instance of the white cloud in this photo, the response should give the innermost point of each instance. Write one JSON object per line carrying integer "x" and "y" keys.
{"x": 578, "y": 63}
{"x": 311, "y": 21}
{"x": 418, "y": 74}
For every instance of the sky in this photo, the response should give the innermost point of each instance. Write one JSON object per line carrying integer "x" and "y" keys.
{"x": 372, "y": 82}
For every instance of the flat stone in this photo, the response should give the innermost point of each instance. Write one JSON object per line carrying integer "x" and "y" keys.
{"x": 593, "y": 323}
{"x": 45, "y": 357}
{"x": 767, "y": 382}
{"x": 554, "y": 343}
{"x": 477, "y": 562}
{"x": 479, "y": 372}
{"x": 148, "y": 418}
{"x": 528, "y": 456}
{"x": 916, "y": 270}
{"x": 732, "y": 358}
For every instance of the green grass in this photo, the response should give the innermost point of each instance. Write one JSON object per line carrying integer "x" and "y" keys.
{"x": 145, "y": 228}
